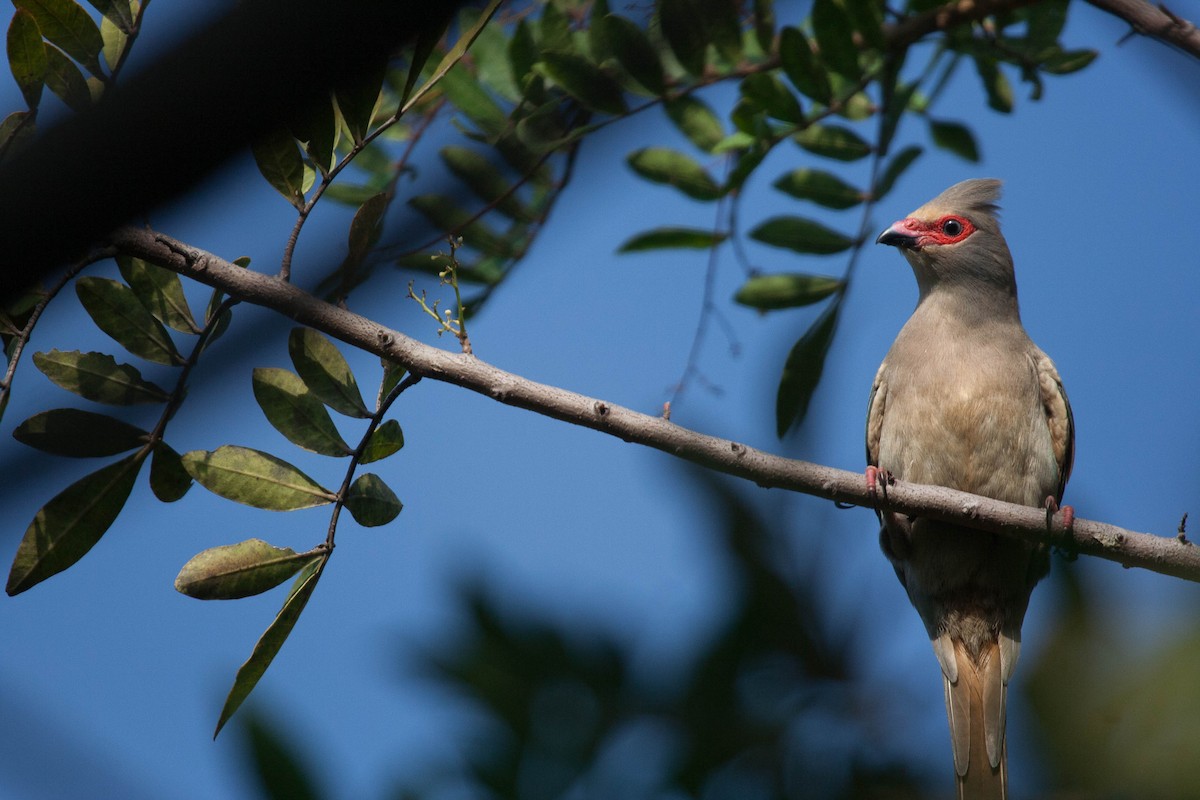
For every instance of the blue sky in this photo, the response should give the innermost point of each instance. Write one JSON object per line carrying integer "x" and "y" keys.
{"x": 109, "y": 661}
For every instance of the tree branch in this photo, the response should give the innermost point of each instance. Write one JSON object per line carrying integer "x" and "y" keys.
{"x": 910, "y": 29}
{"x": 1167, "y": 555}
{"x": 1157, "y": 21}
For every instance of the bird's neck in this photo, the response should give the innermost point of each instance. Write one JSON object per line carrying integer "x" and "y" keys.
{"x": 971, "y": 302}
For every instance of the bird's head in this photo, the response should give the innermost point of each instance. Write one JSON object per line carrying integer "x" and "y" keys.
{"x": 954, "y": 240}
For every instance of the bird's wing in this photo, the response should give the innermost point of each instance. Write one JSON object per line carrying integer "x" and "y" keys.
{"x": 1058, "y": 417}
{"x": 875, "y": 407}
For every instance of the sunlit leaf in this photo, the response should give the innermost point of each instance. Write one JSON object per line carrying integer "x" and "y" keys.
{"x": 584, "y": 81}
{"x": 72, "y": 522}
{"x": 233, "y": 571}
{"x": 168, "y": 479}
{"x": 325, "y": 372}
{"x": 490, "y": 54}
{"x": 667, "y": 237}
{"x": 393, "y": 373}
{"x": 115, "y": 41}
{"x": 387, "y": 439}
{"x": 835, "y": 38}
{"x": 696, "y": 121}
{"x": 278, "y": 158}
{"x": 68, "y": 25}
{"x": 80, "y": 434}
{"x": 65, "y": 80}
{"x": 786, "y": 290}
{"x": 895, "y": 168}
{"x": 1069, "y": 61}
{"x": 802, "y": 67}
{"x": 116, "y": 310}
{"x": 802, "y": 370}
{"x": 955, "y": 137}
{"x": 160, "y": 291}
{"x": 670, "y": 167}
{"x": 268, "y": 645}
{"x": 683, "y": 28}
{"x": 371, "y": 502}
{"x": 833, "y": 141}
{"x": 801, "y": 235}
{"x": 634, "y": 52}
{"x": 27, "y": 56}
{"x": 98, "y": 377}
{"x": 254, "y": 478}
{"x": 768, "y": 93}
{"x": 296, "y": 412}
{"x": 823, "y": 188}
{"x": 484, "y": 179}
{"x": 117, "y": 11}
{"x": 471, "y": 98}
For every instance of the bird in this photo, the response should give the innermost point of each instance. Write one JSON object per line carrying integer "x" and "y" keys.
{"x": 965, "y": 399}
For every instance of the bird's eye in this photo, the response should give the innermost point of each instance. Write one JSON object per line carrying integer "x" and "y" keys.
{"x": 952, "y": 227}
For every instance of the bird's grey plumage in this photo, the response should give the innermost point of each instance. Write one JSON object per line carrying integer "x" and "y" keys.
{"x": 964, "y": 399}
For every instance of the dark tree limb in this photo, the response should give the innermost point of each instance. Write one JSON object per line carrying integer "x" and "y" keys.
{"x": 1168, "y": 555}
{"x": 1157, "y": 21}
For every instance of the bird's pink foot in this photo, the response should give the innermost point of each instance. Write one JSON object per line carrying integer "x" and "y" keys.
{"x": 1052, "y": 508}
{"x": 878, "y": 479}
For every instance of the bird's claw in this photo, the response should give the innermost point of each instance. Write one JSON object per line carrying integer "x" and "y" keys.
{"x": 1052, "y": 508}
{"x": 877, "y": 480}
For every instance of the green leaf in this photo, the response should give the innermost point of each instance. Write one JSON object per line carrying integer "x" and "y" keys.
{"x": 802, "y": 67}
{"x": 115, "y": 42}
{"x": 98, "y": 377}
{"x": 823, "y": 188}
{"x": 65, "y": 80}
{"x": 999, "y": 91}
{"x": 895, "y": 168}
{"x": 599, "y": 45}
{"x": 801, "y": 235}
{"x": 696, "y": 121}
{"x": 358, "y": 99}
{"x": 955, "y": 137}
{"x": 1065, "y": 63}
{"x": 371, "y": 502}
{"x": 326, "y": 372}
{"x": 80, "y": 434}
{"x": 365, "y": 229}
{"x": 634, "y": 52}
{"x": 393, "y": 373}
{"x": 168, "y": 479}
{"x": 522, "y": 51}
{"x": 447, "y": 216}
{"x": 470, "y": 97}
{"x": 116, "y": 310}
{"x": 268, "y": 645}
{"x": 234, "y": 571}
{"x": 279, "y": 161}
{"x": 296, "y": 412}
{"x": 584, "y": 81}
{"x": 768, "y": 93}
{"x": 27, "y": 56}
{"x": 387, "y": 440}
{"x": 485, "y": 180}
{"x": 350, "y": 194}
{"x": 66, "y": 24}
{"x": 72, "y": 522}
{"x": 160, "y": 291}
{"x": 118, "y": 12}
{"x": 683, "y": 28}
{"x": 670, "y": 167}
{"x": 722, "y": 26}
{"x": 833, "y": 141}
{"x": 764, "y": 24}
{"x": 317, "y": 127}
{"x": 802, "y": 370}
{"x": 835, "y": 38}
{"x": 555, "y": 28}
{"x": 866, "y": 17}
{"x": 661, "y": 238}
{"x": 747, "y": 162}
{"x": 1045, "y": 23}
{"x": 16, "y": 131}
{"x": 785, "y": 290}
{"x": 254, "y": 478}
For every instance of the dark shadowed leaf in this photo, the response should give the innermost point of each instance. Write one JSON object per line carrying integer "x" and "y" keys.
{"x": 282, "y": 771}
{"x": 802, "y": 67}
{"x": 278, "y": 157}
{"x": 743, "y": 168}
{"x": 66, "y": 24}
{"x": 160, "y": 291}
{"x": 696, "y": 121}
{"x": 683, "y": 28}
{"x": 16, "y": 131}
{"x": 118, "y": 11}
{"x": 1045, "y": 21}
{"x": 65, "y": 80}
{"x": 490, "y": 54}
{"x": 999, "y": 91}
{"x": 866, "y": 17}
{"x": 661, "y": 238}
{"x": 484, "y": 179}
{"x": 823, "y": 188}
{"x": 365, "y": 229}
{"x": 895, "y": 168}
{"x": 317, "y": 127}
{"x": 802, "y": 370}
{"x": 168, "y": 479}
{"x": 69, "y": 525}
{"x": 835, "y": 38}
{"x": 670, "y": 167}
{"x": 764, "y": 24}
{"x": 272, "y": 639}
{"x": 770, "y": 94}
{"x": 387, "y": 439}
{"x": 522, "y": 51}
{"x": 116, "y": 310}
{"x": 584, "y": 81}
{"x": 357, "y": 99}
{"x": 371, "y": 501}
{"x": 27, "y": 56}
{"x": 833, "y": 141}
{"x": 325, "y": 372}
{"x": 448, "y": 216}
{"x": 634, "y": 52}
{"x": 723, "y": 27}
{"x": 233, "y": 571}
{"x": 80, "y": 434}
{"x": 555, "y": 28}
{"x": 955, "y": 137}
{"x": 254, "y": 478}
{"x": 801, "y": 235}
{"x": 787, "y": 290}
{"x": 98, "y": 377}
{"x": 296, "y": 412}
{"x": 470, "y": 97}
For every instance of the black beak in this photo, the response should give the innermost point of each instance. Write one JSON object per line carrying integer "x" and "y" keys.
{"x": 896, "y": 238}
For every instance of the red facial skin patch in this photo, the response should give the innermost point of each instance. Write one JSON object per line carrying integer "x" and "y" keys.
{"x": 950, "y": 229}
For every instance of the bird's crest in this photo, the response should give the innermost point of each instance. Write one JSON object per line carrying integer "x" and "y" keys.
{"x": 972, "y": 197}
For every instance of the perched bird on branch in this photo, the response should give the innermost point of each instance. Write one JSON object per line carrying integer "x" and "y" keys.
{"x": 964, "y": 399}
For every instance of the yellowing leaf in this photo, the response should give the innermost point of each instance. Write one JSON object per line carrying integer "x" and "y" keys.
{"x": 254, "y": 478}
{"x": 233, "y": 571}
